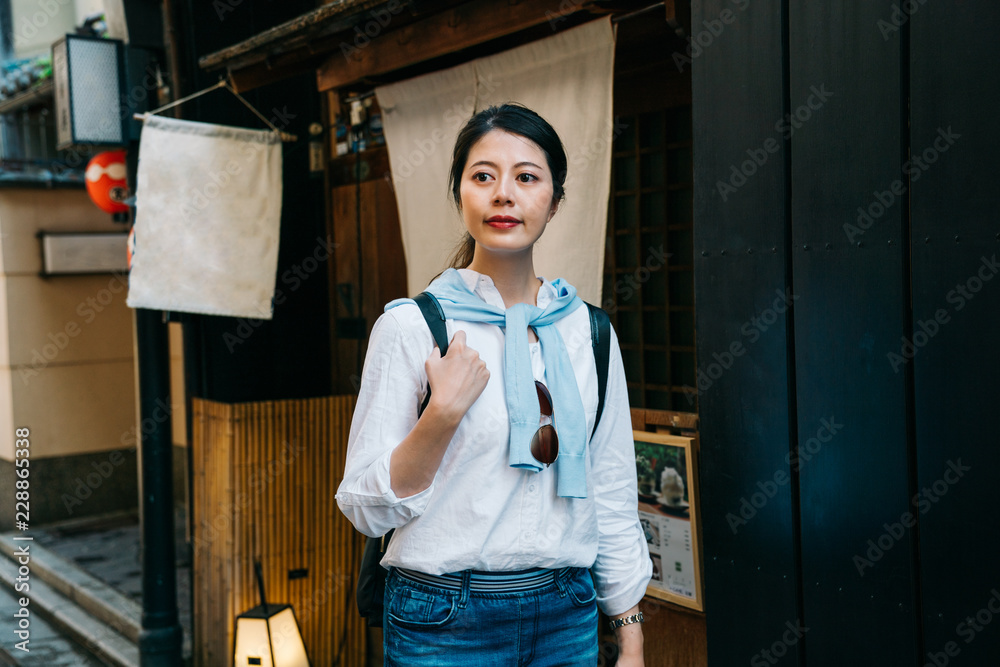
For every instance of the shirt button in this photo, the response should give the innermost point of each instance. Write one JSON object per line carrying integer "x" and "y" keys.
{"x": 531, "y": 487}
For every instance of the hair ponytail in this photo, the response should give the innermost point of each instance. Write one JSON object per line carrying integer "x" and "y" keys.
{"x": 464, "y": 252}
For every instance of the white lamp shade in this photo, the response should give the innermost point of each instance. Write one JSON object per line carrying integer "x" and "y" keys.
{"x": 260, "y": 636}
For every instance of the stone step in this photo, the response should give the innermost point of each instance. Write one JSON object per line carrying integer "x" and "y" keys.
{"x": 106, "y": 604}
{"x": 47, "y": 647}
{"x": 75, "y": 604}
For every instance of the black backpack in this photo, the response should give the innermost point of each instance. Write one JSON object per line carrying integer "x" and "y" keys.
{"x": 371, "y": 578}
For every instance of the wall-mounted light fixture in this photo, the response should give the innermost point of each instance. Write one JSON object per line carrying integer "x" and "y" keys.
{"x": 89, "y": 79}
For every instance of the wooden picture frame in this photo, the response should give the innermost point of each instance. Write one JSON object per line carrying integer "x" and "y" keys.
{"x": 666, "y": 467}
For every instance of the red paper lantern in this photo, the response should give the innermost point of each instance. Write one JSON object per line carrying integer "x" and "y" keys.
{"x": 106, "y": 182}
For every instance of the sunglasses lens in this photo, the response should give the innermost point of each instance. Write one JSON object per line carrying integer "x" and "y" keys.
{"x": 544, "y": 399}
{"x": 545, "y": 445}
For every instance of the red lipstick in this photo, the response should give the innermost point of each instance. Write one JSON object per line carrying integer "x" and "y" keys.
{"x": 502, "y": 222}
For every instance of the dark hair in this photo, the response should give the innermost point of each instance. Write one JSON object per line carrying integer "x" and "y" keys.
{"x": 516, "y": 119}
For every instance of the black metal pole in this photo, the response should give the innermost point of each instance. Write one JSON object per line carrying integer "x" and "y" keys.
{"x": 160, "y": 638}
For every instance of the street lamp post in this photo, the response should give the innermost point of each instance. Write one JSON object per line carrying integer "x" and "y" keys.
{"x": 160, "y": 638}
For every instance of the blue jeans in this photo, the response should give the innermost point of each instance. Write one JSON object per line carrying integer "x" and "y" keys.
{"x": 427, "y": 626}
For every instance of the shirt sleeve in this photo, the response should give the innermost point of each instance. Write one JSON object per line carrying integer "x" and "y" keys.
{"x": 392, "y": 385}
{"x": 622, "y": 569}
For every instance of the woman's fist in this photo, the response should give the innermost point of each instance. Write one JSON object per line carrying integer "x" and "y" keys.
{"x": 456, "y": 379}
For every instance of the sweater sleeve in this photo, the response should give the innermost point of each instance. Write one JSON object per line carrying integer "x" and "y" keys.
{"x": 392, "y": 385}
{"x": 622, "y": 569}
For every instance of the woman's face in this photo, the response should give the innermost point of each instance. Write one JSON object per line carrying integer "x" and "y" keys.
{"x": 506, "y": 192}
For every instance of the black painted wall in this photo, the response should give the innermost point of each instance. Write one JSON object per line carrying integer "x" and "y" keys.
{"x": 843, "y": 165}
{"x": 235, "y": 359}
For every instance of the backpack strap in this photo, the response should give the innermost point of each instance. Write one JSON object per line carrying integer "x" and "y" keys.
{"x": 434, "y": 317}
{"x": 600, "y": 338}
{"x": 371, "y": 579}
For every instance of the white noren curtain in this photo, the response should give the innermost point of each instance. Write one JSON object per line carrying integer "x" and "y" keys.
{"x": 568, "y": 79}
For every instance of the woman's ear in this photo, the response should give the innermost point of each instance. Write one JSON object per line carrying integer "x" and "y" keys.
{"x": 553, "y": 209}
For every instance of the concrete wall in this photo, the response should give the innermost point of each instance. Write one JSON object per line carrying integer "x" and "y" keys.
{"x": 66, "y": 364}
{"x": 38, "y": 23}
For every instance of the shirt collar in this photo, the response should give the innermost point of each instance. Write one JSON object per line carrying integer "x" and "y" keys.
{"x": 482, "y": 286}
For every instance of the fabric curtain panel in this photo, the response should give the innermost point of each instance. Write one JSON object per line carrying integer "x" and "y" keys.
{"x": 208, "y": 211}
{"x": 421, "y": 118}
{"x": 568, "y": 79}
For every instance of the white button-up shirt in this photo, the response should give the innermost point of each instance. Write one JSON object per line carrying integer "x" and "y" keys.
{"x": 479, "y": 513}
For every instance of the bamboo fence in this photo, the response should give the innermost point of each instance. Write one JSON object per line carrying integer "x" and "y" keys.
{"x": 264, "y": 483}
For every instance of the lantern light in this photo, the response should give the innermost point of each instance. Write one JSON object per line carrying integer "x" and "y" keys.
{"x": 107, "y": 184}
{"x": 268, "y": 635}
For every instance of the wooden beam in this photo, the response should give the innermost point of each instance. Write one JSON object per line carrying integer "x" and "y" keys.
{"x": 263, "y": 73}
{"x": 297, "y": 28}
{"x": 441, "y": 34}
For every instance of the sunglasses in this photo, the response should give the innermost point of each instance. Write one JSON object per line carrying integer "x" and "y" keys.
{"x": 545, "y": 442}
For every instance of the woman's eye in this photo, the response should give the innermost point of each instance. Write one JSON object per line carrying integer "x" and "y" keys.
{"x": 526, "y": 178}
{"x": 480, "y": 177}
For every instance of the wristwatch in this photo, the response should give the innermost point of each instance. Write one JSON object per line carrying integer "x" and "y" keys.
{"x": 625, "y": 620}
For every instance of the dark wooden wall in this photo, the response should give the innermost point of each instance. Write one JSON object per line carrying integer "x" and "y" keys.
{"x": 369, "y": 263}
{"x": 847, "y": 476}
{"x": 852, "y": 307}
{"x": 742, "y": 263}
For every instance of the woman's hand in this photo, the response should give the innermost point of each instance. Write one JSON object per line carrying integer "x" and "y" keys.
{"x": 456, "y": 379}
{"x": 630, "y": 661}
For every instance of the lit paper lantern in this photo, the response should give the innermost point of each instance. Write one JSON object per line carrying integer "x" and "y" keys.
{"x": 268, "y": 635}
{"x": 106, "y": 182}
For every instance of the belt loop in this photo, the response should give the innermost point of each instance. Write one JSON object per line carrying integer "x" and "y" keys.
{"x": 466, "y": 584}
{"x": 559, "y": 578}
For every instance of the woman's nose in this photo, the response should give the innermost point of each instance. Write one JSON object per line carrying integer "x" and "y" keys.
{"x": 501, "y": 194}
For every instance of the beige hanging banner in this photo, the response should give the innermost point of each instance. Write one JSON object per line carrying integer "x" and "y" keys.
{"x": 208, "y": 208}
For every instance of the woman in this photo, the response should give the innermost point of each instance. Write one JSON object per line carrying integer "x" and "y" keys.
{"x": 494, "y": 548}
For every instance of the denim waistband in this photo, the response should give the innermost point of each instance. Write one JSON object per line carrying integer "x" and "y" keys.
{"x": 493, "y": 582}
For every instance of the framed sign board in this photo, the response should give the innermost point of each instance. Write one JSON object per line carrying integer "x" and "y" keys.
{"x": 668, "y": 513}
{"x": 65, "y": 253}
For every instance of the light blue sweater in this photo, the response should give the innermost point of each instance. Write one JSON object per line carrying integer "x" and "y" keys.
{"x": 460, "y": 303}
